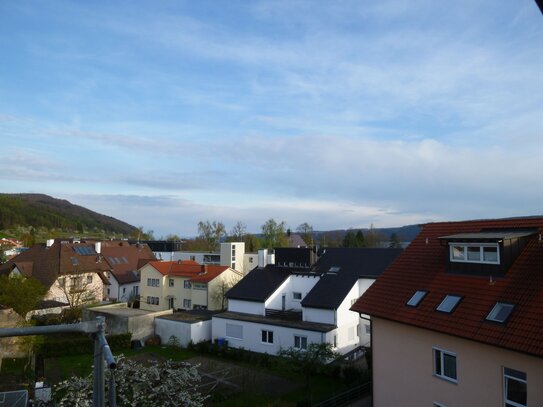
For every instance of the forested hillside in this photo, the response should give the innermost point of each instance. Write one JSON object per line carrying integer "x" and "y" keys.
{"x": 43, "y": 211}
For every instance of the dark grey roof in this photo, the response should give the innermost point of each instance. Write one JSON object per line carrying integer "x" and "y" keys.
{"x": 191, "y": 316}
{"x": 498, "y": 235}
{"x": 341, "y": 268}
{"x": 304, "y": 325}
{"x": 259, "y": 284}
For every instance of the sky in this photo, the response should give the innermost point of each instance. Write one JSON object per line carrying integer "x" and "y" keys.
{"x": 341, "y": 114}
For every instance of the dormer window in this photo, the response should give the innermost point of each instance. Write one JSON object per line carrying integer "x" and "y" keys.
{"x": 487, "y": 253}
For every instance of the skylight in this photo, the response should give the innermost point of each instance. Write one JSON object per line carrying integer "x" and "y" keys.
{"x": 334, "y": 269}
{"x": 84, "y": 250}
{"x": 449, "y": 303}
{"x": 500, "y": 312}
{"x": 416, "y": 298}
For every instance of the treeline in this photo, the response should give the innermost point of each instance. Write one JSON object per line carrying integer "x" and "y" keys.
{"x": 42, "y": 211}
{"x": 276, "y": 234}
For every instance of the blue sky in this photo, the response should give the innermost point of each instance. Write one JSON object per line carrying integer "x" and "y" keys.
{"x": 337, "y": 113}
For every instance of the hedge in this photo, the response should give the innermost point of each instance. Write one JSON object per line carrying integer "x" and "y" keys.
{"x": 75, "y": 344}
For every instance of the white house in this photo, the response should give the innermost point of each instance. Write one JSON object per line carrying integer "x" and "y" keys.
{"x": 280, "y": 307}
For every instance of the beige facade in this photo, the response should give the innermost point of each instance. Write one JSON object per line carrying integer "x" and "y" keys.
{"x": 403, "y": 369}
{"x": 77, "y": 289}
{"x": 179, "y": 292}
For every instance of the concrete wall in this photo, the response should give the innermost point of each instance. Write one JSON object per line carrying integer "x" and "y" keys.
{"x": 9, "y": 347}
{"x": 183, "y": 331}
{"x": 403, "y": 369}
{"x": 120, "y": 319}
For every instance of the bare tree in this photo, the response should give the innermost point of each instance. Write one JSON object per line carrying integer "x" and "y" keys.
{"x": 306, "y": 232}
{"x": 79, "y": 288}
{"x": 218, "y": 295}
{"x": 238, "y": 232}
{"x": 212, "y": 233}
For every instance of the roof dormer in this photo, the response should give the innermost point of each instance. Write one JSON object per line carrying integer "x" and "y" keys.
{"x": 488, "y": 252}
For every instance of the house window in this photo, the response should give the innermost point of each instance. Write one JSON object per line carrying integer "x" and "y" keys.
{"x": 186, "y": 303}
{"x": 148, "y": 282}
{"x": 62, "y": 282}
{"x": 514, "y": 388}
{"x": 171, "y": 303}
{"x": 368, "y": 329}
{"x": 124, "y": 290}
{"x": 233, "y": 265}
{"x": 153, "y": 282}
{"x": 445, "y": 364}
{"x": 300, "y": 342}
{"x": 267, "y": 336}
{"x": 234, "y": 331}
{"x": 297, "y": 296}
{"x": 500, "y": 312}
{"x": 170, "y": 282}
{"x": 89, "y": 279}
{"x": 199, "y": 286}
{"x": 148, "y": 300}
{"x": 335, "y": 341}
{"x": 449, "y": 303}
{"x": 187, "y": 284}
{"x": 250, "y": 259}
{"x": 416, "y": 298}
{"x": 193, "y": 258}
{"x": 156, "y": 300}
{"x": 474, "y": 253}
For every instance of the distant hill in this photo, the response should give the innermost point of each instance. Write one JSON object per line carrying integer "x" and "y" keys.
{"x": 404, "y": 233}
{"x": 40, "y": 210}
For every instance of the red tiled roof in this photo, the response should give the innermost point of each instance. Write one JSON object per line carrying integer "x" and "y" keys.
{"x": 190, "y": 269}
{"x": 125, "y": 259}
{"x": 422, "y": 266}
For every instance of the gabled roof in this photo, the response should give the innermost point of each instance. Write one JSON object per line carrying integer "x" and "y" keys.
{"x": 341, "y": 268}
{"x": 190, "y": 269}
{"x": 125, "y": 259}
{"x": 259, "y": 284}
{"x": 46, "y": 264}
{"x": 422, "y": 267}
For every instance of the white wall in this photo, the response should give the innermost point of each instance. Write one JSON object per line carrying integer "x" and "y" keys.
{"x": 183, "y": 331}
{"x": 325, "y": 316}
{"x": 115, "y": 290}
{"x": 236, "y": 262}
{"x": 247, "y": 307}
{"x": 252, "y": 336}
{"x": 275, "y": 300}
{"x": 250, "y": 261}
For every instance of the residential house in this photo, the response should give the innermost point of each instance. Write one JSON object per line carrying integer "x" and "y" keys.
{"x": 292, "y": 304}
{"x": 457, "y": 319}
{"x": 72, "y": 271}
{"x": 125, "y": 260}
{"x": 185, "y": 285}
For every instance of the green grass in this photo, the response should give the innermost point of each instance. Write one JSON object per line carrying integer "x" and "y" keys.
{"x": 58, "y": 369}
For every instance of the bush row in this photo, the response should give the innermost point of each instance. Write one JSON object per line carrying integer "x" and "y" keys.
{"x": 75, "y": 344}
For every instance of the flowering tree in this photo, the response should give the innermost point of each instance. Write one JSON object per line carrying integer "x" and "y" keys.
{"x": 169, "y": 384}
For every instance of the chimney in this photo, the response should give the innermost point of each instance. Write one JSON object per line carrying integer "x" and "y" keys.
{"x": 50, "y": 242}
{"x": 98, "y": 247}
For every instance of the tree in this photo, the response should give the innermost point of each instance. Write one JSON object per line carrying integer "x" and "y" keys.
{"x": 20, "y": 293}
{"x": 310, "y": 361}
{"x": 218, "y": 295}
{"x": 173, "y": 238}
{"x": 273, "y": 234}
{"x": 166, "y": 384}
{"x": 238, "y": 232}
{"x": 372, "y": 237}
{"x": 212, "y": 233}
{"x": 352, "y": 239}
{"x": 306, "y": 232}
{"x": 394, "y": 241}
{"x": 79, "y": 288}
{"x": 252, "y": 243}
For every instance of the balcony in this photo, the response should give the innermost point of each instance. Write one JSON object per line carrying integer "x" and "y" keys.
{"x": 285, "y": 315}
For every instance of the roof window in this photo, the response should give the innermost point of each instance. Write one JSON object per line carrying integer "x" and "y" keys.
{"x": 416, "y": 298}
{"x": 334, "y": 269}
{"x": 474, "y": 253}
{"x": 449, "y": 303}
{"x": 500, "y": 312}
